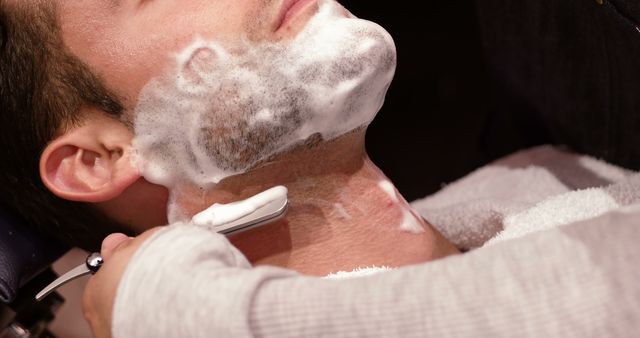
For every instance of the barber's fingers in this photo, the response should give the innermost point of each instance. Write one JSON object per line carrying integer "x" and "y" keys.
{"x": 111, "y": 242}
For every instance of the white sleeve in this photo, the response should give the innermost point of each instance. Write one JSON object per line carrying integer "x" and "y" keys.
{"x": 579, "y": 280}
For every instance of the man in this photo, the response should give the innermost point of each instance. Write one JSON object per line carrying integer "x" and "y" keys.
{"x": 334, "y": 188}
{"x": 555, "y": 283}
{"x": 79, "y": 167}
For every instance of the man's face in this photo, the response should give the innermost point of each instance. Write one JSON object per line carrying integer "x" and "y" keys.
{"x": 128, "y": 42}
{"x": 216, "y": 87}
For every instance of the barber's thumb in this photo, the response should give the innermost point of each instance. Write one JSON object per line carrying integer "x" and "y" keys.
{"x": 110, "y": 243}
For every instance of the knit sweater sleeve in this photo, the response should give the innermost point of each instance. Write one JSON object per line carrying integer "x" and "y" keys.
{"x": 577, "y": 280}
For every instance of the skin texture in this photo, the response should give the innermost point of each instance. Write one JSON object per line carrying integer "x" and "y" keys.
{"x": 339, "y": 219}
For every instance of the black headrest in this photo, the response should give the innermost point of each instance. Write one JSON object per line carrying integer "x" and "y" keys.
{"x": 23, "y": 254}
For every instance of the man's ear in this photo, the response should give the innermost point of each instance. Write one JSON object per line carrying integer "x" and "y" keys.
{"x": 90, "y": 162}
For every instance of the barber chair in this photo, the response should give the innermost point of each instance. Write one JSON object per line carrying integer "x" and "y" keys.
{"x": 25, "y": 259}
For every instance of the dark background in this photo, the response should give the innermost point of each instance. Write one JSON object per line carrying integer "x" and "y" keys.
{"x": 427, "y": 132}
{"x": 477, "y": 80}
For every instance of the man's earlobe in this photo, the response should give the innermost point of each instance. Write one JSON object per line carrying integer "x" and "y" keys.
{"x": 91, "y": 162}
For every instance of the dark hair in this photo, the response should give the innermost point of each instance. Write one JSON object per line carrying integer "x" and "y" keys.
{"x": 42, "y": 88}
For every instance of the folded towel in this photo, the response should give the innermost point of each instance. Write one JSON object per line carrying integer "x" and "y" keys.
{"x": 528, "y": 191}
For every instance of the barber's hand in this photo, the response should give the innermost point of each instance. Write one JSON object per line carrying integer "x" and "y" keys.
{"x": 100, "y": 293}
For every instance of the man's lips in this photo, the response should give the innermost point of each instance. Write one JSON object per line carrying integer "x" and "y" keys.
{"x": 289, "y": 9}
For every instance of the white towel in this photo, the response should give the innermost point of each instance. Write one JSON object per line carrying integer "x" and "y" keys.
{"x": 528, "y": 191}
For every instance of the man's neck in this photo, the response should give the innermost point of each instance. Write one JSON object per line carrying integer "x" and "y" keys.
{"x": 344, "y": 213}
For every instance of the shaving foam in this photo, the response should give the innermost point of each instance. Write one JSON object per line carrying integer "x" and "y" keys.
{"x": 410, "y": 218}
{"x": 225, "y": 109}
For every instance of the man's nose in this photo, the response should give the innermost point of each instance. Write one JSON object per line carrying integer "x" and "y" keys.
{"x": 110, "y": 243}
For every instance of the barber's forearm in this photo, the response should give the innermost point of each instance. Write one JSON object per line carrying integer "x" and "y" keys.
{"x": 572, "y": 281}
{"x": 548, "y": 284}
